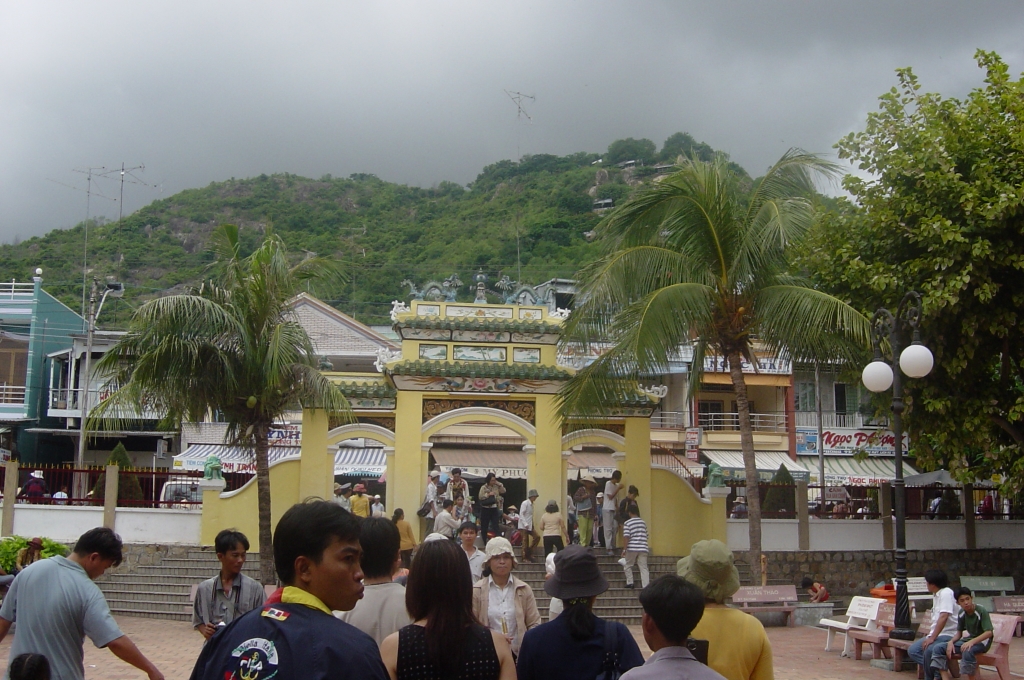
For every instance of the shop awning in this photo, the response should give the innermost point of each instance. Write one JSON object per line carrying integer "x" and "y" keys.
{"x": 768, "y": 463}
{"x": 848, "y": 471}
{"x": 591, "y": 463}
{"x": 348, "y": 460}
{"x": 478, "y": 462}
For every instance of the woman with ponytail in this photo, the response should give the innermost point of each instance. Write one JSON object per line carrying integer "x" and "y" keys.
{"x": 577, "y": 644}
{"x": 445, "y": 641}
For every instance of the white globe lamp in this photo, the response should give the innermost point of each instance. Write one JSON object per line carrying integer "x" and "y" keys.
{"x": 877, "y": 376}
{"x": 916, "y": 361}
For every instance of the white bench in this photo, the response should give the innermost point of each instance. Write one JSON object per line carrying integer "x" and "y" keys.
{"x": 917, "y": 591}
{"x": 861, "y": 614}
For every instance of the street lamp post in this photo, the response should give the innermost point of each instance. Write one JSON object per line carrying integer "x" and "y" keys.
{"x": 916, "y": 362}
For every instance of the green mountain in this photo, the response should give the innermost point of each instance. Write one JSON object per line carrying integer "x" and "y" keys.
{"x": 528, "y": 220}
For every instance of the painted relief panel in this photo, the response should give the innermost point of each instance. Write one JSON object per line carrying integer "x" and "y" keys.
{"x": 479, "y": 312}
{"x": 434, "y": 352}
{"x": 428, "y": 310}
{"x": 542, "y": 338}
{"x": 526, "y": 355}
{"x": 473, "y": 353}
{"x": 479, "y": 336}
{"x": 530, "y": 314}
{"x": 426, "y": 334}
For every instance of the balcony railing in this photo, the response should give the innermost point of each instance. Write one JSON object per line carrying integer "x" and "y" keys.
{"x": 12, "y": 288}
{"x": 12, "y": 394}
{"x": 68, "y": 399}
{"x": 834, "y": 419}
{"x": 760, "y": 422}
{"x": 670, "y": 420}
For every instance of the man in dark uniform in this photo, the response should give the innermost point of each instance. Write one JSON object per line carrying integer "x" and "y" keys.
{"x": 317, "y": 555}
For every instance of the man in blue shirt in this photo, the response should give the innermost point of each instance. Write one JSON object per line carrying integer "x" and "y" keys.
{"x": 56, "y": 604}
{"x": 317, "y": 555}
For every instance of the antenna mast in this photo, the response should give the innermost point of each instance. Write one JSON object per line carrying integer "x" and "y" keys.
{"x": 517, "y": 98}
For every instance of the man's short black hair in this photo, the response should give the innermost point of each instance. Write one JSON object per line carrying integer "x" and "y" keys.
{"x": 937, "y": 578}
{"x": 468, "y": 525}
{"x": 675, "y": 604}
{"x": 617, "y": 475}
{"x": 227, "y": 540}
{"x": 633, "y": 509}
{"x": 964, "y": 590}
{"x": 446, "y": 503}
{"x": 100, "y": 540}
{"x": 380, "y": 541}
{"x": 632, "y": 490}
{"x": 306, "y": 529}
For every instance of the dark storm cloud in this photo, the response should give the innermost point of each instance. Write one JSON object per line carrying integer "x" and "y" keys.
{"x": 413, "y": 92}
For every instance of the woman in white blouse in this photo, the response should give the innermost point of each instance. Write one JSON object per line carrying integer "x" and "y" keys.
{"x": 502, "y": 602}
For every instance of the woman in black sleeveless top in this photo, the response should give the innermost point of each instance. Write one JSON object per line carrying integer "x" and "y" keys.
{"x": 446, "y": 641}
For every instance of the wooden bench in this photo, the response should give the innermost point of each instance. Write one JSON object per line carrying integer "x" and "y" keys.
{"x": 766, "y": 599}
{"x": 995, "y": 585}
{"x": 998, "y": 655}
{"x": 1011, "y": 604}
{"x": 876, "y": 636}
{"x": 861, "y": 613}
{"x": 917, "y": 591}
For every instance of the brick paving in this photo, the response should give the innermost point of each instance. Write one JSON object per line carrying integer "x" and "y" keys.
{"x": 798, "y": 652}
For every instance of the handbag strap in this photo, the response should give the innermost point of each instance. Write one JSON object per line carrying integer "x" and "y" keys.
{"x": 611, "y": 643}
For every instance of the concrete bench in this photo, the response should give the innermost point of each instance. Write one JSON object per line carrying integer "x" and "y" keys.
{"x": 767, "y": 599}
{"x": 862, "y": 613}
{"x": 998, "y": 655}
{"x": 1011, "y": 604}
{"x": 877, "y": 636}
{"x": 995, "y": 585}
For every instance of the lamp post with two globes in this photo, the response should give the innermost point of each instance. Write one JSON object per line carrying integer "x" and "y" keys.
{"x": 915, "y": 361}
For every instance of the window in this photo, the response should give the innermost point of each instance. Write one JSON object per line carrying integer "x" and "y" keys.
{"x": 840, "y": 392}
{"x": 710, "y": 413}
{"x": 805, "y": 397}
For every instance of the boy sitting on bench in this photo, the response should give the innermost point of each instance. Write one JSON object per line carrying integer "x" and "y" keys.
{"x": 973, "y": 636}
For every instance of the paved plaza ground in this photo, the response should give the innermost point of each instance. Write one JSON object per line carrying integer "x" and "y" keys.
{"x": 173, "y": 647}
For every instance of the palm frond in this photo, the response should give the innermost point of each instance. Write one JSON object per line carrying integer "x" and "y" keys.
{"x": 809, "y": 324}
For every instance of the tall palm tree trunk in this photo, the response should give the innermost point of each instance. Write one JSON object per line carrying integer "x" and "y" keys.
{"x": 268, "y": 574}
{"x": 739, "y": 386}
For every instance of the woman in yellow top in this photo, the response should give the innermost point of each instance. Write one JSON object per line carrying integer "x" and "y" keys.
{"x": 739, "y": 647}
{"x": 552, "y": 528}
{"x": 360, "y": 501}
{"x": 408, "y": 541}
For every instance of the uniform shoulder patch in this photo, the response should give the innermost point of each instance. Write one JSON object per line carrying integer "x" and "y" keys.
{"x": 254, "y": 659}
{"x": 276, "y": 614}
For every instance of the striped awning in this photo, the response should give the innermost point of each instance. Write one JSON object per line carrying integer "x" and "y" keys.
{"x": 768, "y": 463}
{"x": 591, "y": 463}
{"x": 348, "y": 460}
{"x": 478, "y": 462}
{"x": 848, "y": 471}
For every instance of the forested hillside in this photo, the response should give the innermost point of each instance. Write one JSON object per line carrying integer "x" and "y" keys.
{"x": 528, "y": 220}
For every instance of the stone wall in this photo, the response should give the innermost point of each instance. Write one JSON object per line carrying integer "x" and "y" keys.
{"x": 856, "y": 572}
{"x": 146, "y": 554}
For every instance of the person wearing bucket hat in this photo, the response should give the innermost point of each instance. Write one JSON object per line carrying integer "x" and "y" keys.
{"x": 575, "y": 644}
{"x": 503, "y": 602}
{"x": 32, "y": 552}
{"x": 738, "y": 647}
{"x": 360, "y": 502}
{"x": 342, "y": 493}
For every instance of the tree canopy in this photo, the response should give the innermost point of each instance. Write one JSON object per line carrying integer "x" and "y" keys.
{"x": 941, "y": 211}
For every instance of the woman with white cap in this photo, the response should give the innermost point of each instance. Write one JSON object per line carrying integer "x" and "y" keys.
{"x": 504, "y": 603}
{"x": 575, "y": 644}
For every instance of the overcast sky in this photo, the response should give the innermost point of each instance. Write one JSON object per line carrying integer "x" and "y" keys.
{"x": 414, "y": 91}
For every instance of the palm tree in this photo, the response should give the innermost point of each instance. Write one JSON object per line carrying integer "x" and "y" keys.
{"x": 702, "y": 259}
{"x": 228, "y": 346}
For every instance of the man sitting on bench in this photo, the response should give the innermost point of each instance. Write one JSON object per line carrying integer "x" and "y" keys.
{"x": 973, "y": 636}
{"x": 930, "y": 651}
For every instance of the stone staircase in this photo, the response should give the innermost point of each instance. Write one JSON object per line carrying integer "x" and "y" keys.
{"x": 161, "y": 591}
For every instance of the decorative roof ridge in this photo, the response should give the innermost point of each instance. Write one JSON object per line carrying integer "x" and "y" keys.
{"x": 481, "y": 369}
{"x": 474, "y": 324}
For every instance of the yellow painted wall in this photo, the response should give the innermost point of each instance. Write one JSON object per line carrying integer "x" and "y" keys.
{"x": 239, "y": 510}
{"x": 409, "y": 473}
{"x": 679, "y": 517}
{"x": 636, "y": 466}
{"x": 547, "y": 473}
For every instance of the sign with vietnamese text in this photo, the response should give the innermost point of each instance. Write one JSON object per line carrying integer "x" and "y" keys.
{"x": 848, "y": 441}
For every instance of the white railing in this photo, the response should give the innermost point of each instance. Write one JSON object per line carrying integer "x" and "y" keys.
{"x": 764, "y": 422}
{"x": 11, "y": 288}
{"x": 68, "y": 399}
{"x": 833, "y": 420}
{"x": 12, "y": 394}
{"x": 670, "y": 420}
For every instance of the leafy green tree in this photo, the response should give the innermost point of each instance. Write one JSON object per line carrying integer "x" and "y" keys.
{"x": 229, "y": 346}
{"x": 695, "y": 260}
{"x": 940, "y": 210}
{"x": 128, "y": 487}
{"x": 781, "y": 496}
{"x": 629, "y": 149}
{"x": 682, "y": 144}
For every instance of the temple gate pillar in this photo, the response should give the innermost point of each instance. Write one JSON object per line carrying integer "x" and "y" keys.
{"x": 407, "y": 477}
{"x": 546, "y": 465}
{"x": 316, "y": 472}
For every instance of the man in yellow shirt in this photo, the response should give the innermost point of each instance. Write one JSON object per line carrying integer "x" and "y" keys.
{"x": 738, "y": 647}
{"x": 360, "y": 502}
